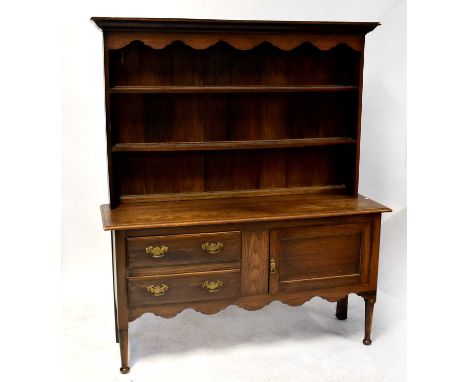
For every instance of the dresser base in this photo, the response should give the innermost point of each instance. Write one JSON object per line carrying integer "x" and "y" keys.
{"x": 330, "y": 249}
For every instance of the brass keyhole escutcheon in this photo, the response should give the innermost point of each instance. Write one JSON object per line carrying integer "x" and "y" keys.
{"x": 272, "y": 265}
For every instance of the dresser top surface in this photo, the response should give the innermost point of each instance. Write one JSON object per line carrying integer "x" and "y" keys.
{"x": 124, "y": 23}
{"x": 235, "y": 210}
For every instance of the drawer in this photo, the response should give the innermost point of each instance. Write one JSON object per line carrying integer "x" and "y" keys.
{"x": 319, "y": 257}
{"x": 190, "y": 249}
{"x": 181, "y": 287}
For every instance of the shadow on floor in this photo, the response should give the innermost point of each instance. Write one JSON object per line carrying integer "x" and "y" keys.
{"x": 189, "y": 331}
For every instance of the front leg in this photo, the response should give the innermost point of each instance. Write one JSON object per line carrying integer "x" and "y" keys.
{"x": 369, "y": 301}
{"x": 123, "y": 337}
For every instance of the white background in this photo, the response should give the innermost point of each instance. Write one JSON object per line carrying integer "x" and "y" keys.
{"x": 32, "y": 53}
{"x": 333, "y": 349}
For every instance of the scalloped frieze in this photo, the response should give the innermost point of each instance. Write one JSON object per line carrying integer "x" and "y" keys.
{"x": 248, "y": 303}
{"x": 239, "y": 41}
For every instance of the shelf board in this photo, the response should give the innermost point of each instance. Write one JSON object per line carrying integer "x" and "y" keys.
{"x": 232, "y": 145}
{"x": 235, "y": 210}
{"x": 232, "y": 89}
{"x": 150, "y": 198}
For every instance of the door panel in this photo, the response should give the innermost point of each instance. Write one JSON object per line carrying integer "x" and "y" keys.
{"x": 319, "y": 257}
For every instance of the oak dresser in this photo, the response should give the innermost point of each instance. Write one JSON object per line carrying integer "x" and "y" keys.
{"x": 233, "y": 166}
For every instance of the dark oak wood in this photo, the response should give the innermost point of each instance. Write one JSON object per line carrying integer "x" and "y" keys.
{"x": 123, "y": 342}
{"x": 232, "y": 89}
{"x": 330, "y": 255}
{"x": 150, "y": 198}
{"x": 191, "y": 25}
{"x": 114, "y": 286}
{"x": 246, "y": 302}
{"x": 184, "y": 287}
{"x": 232, "y": 145}
{"x": 239, "y": 210}
{"x": 369, "y": 299}
{"x": 194, "y": 117}
{"x": 255, "y": 250}
{"x": 233, "y": 161}
{"x": 185, "y": 250}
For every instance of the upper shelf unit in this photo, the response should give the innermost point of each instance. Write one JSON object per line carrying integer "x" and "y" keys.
{"x": 205, "y": 108}
{"x": 178, "y": 64}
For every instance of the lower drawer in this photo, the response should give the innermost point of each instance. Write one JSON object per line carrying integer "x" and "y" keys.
{"x": 156, "y": 290}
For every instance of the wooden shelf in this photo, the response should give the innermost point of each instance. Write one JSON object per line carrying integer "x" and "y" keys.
{"x": 151, "y": 198}
{"x": 235, "y": 210}
{"x": 232, "y": 145}
{"x": 232, "y": 89}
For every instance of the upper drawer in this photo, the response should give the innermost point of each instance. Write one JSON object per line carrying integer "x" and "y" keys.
{"x": 190, "y": 249}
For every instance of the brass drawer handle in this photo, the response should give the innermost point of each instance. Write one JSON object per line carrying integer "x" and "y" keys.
{"x": 157, "y": 290}
{"x": 212, "y": 248}
{"x": 157, "y": 251}
{"x": 212, "y": 286}
{"x": 272, "y": 265}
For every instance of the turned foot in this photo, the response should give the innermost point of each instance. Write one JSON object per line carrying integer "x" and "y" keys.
{"x": 370, "y": 301}
{"x": 123, "y": 337}
{"x": 124, "y": 370}
{"x": 342, "y": 309}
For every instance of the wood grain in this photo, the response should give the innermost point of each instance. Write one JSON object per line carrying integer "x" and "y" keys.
{"x": 248, "y": 302}
{"x": 232, "y": 145}
{"x": 184, "y": 249}
{"x": 255, "y": 254}
{"x": 235, "y": 210}
{"x": 271, "y": 186}
{"x": 231, "y": 89}
{"x": 184, "y": 287}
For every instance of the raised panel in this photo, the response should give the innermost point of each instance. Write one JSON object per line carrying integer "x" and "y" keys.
{"x": 320, "y": 256}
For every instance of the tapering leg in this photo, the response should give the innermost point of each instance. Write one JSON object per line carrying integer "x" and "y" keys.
{"x": 123, "y": 336}
{"x": 113, "y": 290}
{"x": 370, "y": 301}
{"x": 342, "y": 309}
{"x": 116, "y": 324}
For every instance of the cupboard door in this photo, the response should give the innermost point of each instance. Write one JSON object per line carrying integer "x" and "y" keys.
{"x": 319, "y": 257}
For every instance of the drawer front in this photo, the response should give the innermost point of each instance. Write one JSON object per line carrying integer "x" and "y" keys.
{"x": 320, "y": 257}
{"x": 190, "y": 249}
{"x": 143, "y": 291}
